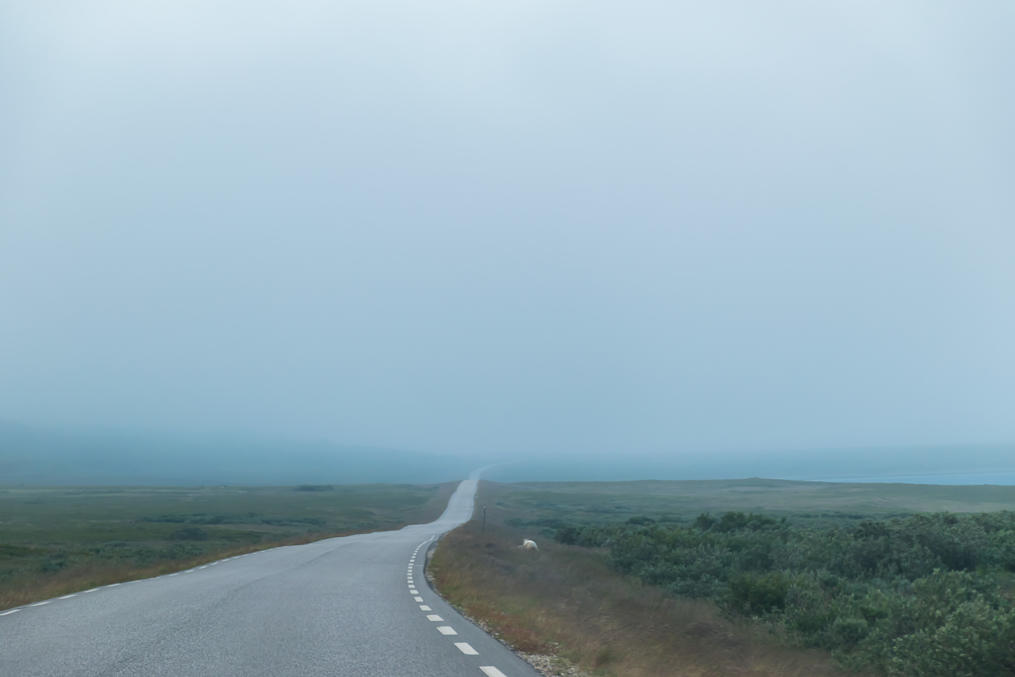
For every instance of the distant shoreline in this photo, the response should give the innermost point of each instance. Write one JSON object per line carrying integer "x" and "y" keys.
{"x": 998, "y": 478}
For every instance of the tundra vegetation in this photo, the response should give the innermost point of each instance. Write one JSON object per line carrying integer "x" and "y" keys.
{"x": 58, "y": 540}
{"x": 802, "y": 578}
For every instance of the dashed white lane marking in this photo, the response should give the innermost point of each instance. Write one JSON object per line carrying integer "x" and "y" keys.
{"x": 41, "y": 603}
{"x": 413, "y": 591}
{"x": 418, "y": 598}
{"x": 491, "y": 671}
{"x": 446, "y": 630}
{"x": 466, "y": 649}
{"x": 424, "y": 607}
{"x": 73, "y": 594}
{"x": 435, "y": 618}
{"x": 8, "y": 613}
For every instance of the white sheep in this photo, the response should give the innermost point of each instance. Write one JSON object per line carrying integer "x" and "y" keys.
{"x": 528, "y": 544}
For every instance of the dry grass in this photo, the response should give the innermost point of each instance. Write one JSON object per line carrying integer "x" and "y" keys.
{"x": 566, "y": 601}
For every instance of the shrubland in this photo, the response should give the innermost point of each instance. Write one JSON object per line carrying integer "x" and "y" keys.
{"x": 743, "y": 577}
{"x": 927, "y": 594}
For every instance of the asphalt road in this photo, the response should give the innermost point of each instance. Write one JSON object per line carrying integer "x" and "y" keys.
{"x": 357, "y": 605}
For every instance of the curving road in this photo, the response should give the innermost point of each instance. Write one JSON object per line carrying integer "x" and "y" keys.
{"x": 357, "y": 606}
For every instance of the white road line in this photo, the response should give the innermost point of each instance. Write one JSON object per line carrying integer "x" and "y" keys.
{"x": 418, "y": 599}
{"x": 88, "y": 591}
{"x": 112, "y": 585}
{"x": 8, "y": 613}
{"x": 435, "y": 618}
{"x": 466, "y": 649}
{"x": 413, "y": 591}
{"x": 176, "y": 574}
{"x": 204, "y": 567}
{"x": 424, "y": 607}
{"x": 491, "y": 671}
{"x": 446, "y": 630}
{"x": 41, "y": 603}
{"x": 73, "y": 594}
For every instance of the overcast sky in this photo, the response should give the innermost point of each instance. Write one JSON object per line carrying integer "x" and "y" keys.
{"x": 512, "y": 226}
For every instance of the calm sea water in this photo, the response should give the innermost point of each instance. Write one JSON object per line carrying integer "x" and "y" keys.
{"x": 1001, "y": 478}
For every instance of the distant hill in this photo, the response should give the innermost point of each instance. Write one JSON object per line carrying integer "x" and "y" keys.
{"x": 51, "y": 456}
{"x": 943, "y": 464}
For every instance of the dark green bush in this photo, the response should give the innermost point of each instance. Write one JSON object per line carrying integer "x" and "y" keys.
{"x": 755, "y": 594}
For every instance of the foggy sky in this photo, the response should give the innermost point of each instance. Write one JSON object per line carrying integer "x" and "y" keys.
{"x": 512, "y": 226}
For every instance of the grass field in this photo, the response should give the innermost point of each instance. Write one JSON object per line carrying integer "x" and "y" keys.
{"x": 57, "y": 540}
{"x": 802, "y": 502}
{"x": 568, "y": 602}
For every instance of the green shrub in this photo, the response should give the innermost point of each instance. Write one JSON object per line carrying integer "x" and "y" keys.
{"x": 755, "y": 594}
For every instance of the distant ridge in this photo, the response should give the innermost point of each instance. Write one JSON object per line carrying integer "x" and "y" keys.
{"x": 65, "y": 456}
{"x": 970, "y": 464}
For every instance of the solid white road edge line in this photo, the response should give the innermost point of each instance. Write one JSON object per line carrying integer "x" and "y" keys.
{"x": 8, "y": 613}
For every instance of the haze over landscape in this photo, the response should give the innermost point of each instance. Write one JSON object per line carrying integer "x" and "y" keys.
{"x": 682, "y": 239}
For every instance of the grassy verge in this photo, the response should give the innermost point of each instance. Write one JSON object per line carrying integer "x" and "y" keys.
{"x": 59, "y": 540}
{"x": 566, "y": 601}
